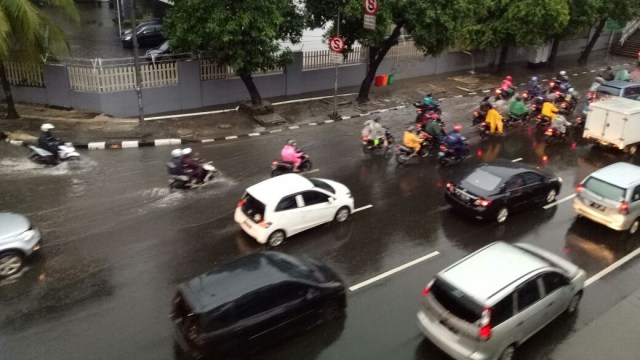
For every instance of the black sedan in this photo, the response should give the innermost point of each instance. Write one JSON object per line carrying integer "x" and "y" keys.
{"x": 148, "y": 36}
{"x": 494, "y": 190}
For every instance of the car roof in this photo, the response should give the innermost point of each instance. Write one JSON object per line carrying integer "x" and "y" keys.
{"x": 620, "y": 84}
{"x": 241, "y": 276}
{"x": 505, "y": 169}
{"x": 274, "y": 189}
{"x": 491, "y": 269}
{"x": 620, "y": 174}
{"x": 618, "y": 104}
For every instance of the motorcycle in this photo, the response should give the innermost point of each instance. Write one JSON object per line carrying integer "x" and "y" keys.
{"x": 542, "y": 122}
{"x": 553, "y": 135}
{"x": 579, "y": 124}
{"x": 403, "y": 153}
{"x": 66, "y": 152}
{"x": 279, "y": 167}
{"x": 504, "y": 94}
{"x": 369, "y": 146}
{"x": 447, "y": 156}
{"x": 513, "y": 119}
{"x": 478, "y": 117}
{"x": 424, "y": 108}
{"x": 184, "y": 181}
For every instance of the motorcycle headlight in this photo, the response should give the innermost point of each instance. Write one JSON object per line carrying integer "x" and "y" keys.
{"x": 27, "y": 235}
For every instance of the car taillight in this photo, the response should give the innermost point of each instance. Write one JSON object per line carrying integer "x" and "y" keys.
{"x": 450, "y": 186}
{"x": 443, "y": 148}
{"x": 623, "y": 208}
{"x": 264, "y": 224}
{"x": 579, "y": 188}
{"x": 427, "y": 288}
{"x": 484, "y": 333}
{"x": 482, "y": 202}
{"x": 241, "y": 202}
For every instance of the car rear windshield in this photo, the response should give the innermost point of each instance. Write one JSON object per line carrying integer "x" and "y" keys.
{"x": 322, "y": 185}
{"x": 252, "y": 207}
{"x": 481, "y": 182}
{"x": 604, "y": 189}
{"x": 608, "y": 90}
{"x": 455, "y": 301}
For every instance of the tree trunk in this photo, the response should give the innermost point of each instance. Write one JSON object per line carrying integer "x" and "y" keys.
{"x": 554, "y": 52}
{"x": 587, "y": 50}
{"x": 6, "y": 88}
{"x": 376, "y": 55}
{"x": 503, "y": 58}
{"x": 256, "y": 99}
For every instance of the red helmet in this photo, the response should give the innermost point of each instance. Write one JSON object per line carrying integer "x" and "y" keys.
{"x": 434, "y": 116}
{"x": 509, "y": 77}
{"x": 457, "y": 127}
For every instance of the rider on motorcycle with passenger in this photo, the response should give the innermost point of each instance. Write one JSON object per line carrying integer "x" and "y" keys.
{"x": 192, "y": 167}
{"x": 456, "y": 142}
{"x": 495, "y": 120}
{"x": 412, "y": 139}
{"x": 434, "y": 129}
{"x": 290, "y": 154}
{"x": 560, "y": 123}
{"x": 47, "y": 141}
{"x": 374, "y": 132}
{"x": 549, "y": 110}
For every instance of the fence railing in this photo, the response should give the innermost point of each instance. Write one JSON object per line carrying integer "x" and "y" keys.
{"x": 118, "y": 78}
{"x": 320, "y": 59}
{"x": 24, "y": 74}
{"x": 213, "y": 71}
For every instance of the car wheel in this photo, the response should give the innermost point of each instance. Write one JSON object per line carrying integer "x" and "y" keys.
{"x": 507, "y": 354}
{"x": 551, "y": 196}
{"x": 342, "y": 214}
{"x": 10, "y": 263}
{"x": 573, "y": 304}
{"x": 276, "y": 238}
{"x": 635, "y": 225}
{"x": 502, "y": 215}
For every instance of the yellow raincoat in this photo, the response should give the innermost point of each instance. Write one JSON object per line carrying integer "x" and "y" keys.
{"x": 494, "y": 119}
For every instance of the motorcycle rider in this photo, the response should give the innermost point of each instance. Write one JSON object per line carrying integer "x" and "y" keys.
{"x": 429, "y": 101}
{"x": 175, "y": 164}
{"x": 455, "y": 141}
{"x": 517, "y": 108}
{"x": 495, "y": 121}
{"x": 533, "y": 88}
{"x": 623, "y": 75}
{"x": 560, "y": 123}
{"x": 290, "y": 154}
{"x": 434, "y": 129}
{"x": 192, "y": 167}
{"x": 608, "y": 74}
{"x": 562, "y": 77}
{"x": 507, "y": 85}
{"x": 412, "y": 140}
{"x": 549, "y": 110}
{"x": 374, "y": 131}
{"x": 47, "y": 141}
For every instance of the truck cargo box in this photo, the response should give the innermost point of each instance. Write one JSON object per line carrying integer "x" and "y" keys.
{"x": 614, "y": 122}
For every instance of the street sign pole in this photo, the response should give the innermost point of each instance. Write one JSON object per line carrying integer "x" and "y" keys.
{"x": 335, "y": 85}
{"x": 136, "y": 63}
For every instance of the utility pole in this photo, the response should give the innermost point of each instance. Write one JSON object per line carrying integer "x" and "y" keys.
{"x": 119, "y": 15}
{"x": 136, "y": 64}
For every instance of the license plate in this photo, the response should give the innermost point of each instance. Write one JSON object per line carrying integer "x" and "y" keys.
{"x": 247, "y": 223}
{"x": 597, "y": 206}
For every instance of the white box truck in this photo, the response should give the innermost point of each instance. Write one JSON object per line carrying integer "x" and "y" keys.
{"x": 614, "y": 122}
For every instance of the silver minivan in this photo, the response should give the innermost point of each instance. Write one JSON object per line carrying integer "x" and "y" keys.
{"x": 491, "y": 301}
{"x": 611, "y": 197}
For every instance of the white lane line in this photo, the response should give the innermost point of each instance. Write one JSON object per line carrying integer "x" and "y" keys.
{"x": 255, "y": 134}
{"x": 328, "y": 121}
{"x": 458, "y": 96}
{"x": 363, "y": 208}
{"x": 592, "y": 71}
{"x": 231, "y": 137}
{"x": 485, "y": 91}
{"x": 559, "y": 201}
{"x": 472, "y": 93}
{"x": 207, "y": 140}
{"x": 294, "y": 127}
{"x": 576, "y": 74}
{"x": 393, "y": 271}
{"x": 312, "y": 124}
{"x": 545, "y": 80}
{"x": 275, "y": 131}
{"x": 611, "y": 267}
{"x": 516, "y": 160}
{"x": 584, "y": 72}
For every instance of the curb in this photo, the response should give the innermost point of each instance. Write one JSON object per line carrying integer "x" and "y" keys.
{"x": 116, "y": 145}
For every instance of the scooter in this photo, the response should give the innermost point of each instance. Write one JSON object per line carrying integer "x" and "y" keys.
{"x": 448, "y": 157}
{"x": 423, "y": 108}
{"x": 183, "y": 182}
{"x": 279, "y": 167}
{"x": 542, "y": 122}
{"x": 504, "y": 94}
{"x": 513, "y": 119}
{"x": 553, "y": 135}
{"x": 66, "y": 152}
{"x": 403, "y": 153}
{"x": 369, "y": 146}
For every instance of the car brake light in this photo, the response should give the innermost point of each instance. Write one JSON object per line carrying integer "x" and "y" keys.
{"x": 579, "y": 188}
{"x": 264, "y": 224}
{"x": 484, "y": 333}
{"x": 241, "y": 202}
{"x": 552, "y": 84}
{"x": 623, "y": 208}
{"x": 450, "y": 186}
{"x": 427, "y": 288}
{"x": 482, "y": 202}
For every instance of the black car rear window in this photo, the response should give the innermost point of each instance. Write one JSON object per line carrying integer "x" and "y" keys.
{"x": 481, "y": 182}
{"x": 252, "y": 207}
{"x": 455, "y": 301}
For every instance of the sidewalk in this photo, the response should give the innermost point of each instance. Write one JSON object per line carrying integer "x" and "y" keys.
{"x": 82, "y": 127}
{"x": 619, "y": 324}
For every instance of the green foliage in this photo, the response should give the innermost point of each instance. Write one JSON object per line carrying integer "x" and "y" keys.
{"x": 243, "y": 34}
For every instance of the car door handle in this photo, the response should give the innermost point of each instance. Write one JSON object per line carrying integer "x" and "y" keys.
{"x": 520, "y": 323}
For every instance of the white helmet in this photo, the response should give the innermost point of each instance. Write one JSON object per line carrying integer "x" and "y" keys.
{"x": 186, "y": 151}
{"x": 563, "y": 73}
{"x": 47, "y": 127}
{"x": 571, "y": 91}
{"x": 176, "y": 153}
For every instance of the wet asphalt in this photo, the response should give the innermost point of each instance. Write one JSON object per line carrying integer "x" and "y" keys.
{"x": 116, "y": 243}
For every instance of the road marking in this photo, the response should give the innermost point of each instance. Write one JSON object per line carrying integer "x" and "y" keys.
{"x": 472, "y": 93}
{"x": 545, "y": 79}
{"x": 328, "y": 121}
{"x": 611, "y": 267}
{"x": 485, "y": 91}
{"x": 458, "y": 96}
{"x": 130, "y": 144}
{"x": 363, "y": 208}
{"x": 312, "y": 124}
{"x": 602, "y": 69}
{"x": 559, "y": 201}
{"x": 584, "y": 72}
{"x": 592, "y": 71}
{"x": 576, "y": 74}
{"x": 310, "y": 99}
{"x": 254, "y": 134}
{"x": 516, "y": 160}
{"x": 393, "y": 271}
{"x": 626, "y": 64}
{"x": 275, "y": 131}
{"x": 294, "y": 127}
{"x": 231, "y": 137}
{"x": 311, "y": 171}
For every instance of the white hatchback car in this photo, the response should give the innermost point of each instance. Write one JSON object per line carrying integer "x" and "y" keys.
{"x": 288, "y": 204}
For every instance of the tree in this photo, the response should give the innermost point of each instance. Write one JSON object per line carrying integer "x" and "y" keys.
{"x": 505, "y": 23}
{"x": 582, "y": 15}
{"x": 27, "y": 32}
{"x": 243, "y": 34}
{"x": 432, "y": 25}
{"x": 619, "y": 11}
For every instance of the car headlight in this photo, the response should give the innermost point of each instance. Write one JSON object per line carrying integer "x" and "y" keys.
{"x": 27, "y": 235}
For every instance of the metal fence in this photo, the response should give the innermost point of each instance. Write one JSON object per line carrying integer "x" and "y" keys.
{"x": 321, "y": 59}
{"x": 212, "y": 71}
{"x": 24, "y": 74}
{"x": 118, "y": 78}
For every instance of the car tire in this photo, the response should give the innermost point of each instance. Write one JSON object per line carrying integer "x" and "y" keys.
{"x": 573, "y": 304}
{"x": 276, "y": 238}
{"x": 11, "y": 263}
{"x": 507, "y": 354}
{"x": 502, "y": 215}
{"x": 635, "y": 226}
{"x": 551, "y": 196}
{"x": 342, "y": 214}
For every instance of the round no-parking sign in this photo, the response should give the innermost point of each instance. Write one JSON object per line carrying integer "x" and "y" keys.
{"x": 370, "y": 7}
{"x": 336, "y": 44}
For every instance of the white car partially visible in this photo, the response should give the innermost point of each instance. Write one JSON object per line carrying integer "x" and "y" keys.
{"x": 277, "y": 208}
{"x": 18, "y": 239}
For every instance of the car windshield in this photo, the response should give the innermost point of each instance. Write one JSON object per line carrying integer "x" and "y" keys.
{"x": 604, "y": 189}
{"x": 322, "y": 185}
{"x": 455, "y": 301}
{"x": 481, "y": 182}
{"x": 608, "y": 90}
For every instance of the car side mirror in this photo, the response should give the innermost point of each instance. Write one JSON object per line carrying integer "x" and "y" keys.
{"x": 331, "y": 200}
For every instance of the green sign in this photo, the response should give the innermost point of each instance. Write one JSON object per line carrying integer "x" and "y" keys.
{"x": 613, "y": 25}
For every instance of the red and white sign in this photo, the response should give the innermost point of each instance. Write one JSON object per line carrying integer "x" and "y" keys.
{"x": 336, "y": 44}
{"x": 370, "y": 7}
